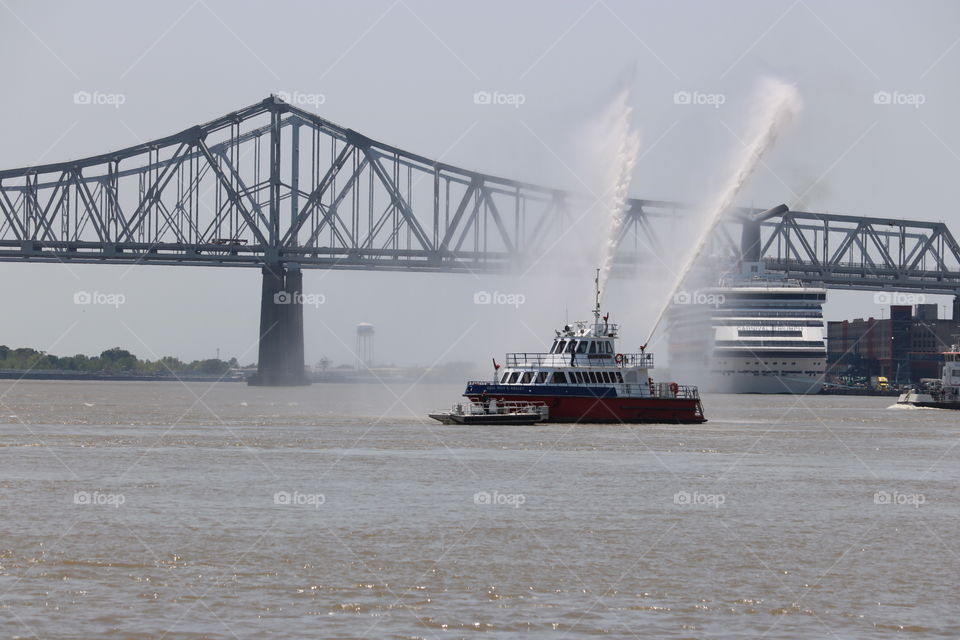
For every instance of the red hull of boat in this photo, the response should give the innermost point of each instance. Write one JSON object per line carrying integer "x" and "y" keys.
{"x": 627, "y": 410}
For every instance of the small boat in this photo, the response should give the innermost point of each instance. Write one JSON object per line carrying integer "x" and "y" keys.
{"x": 938, "y": 394}
{"x": 584, "y": 378}
{"x": 492, "y": 411}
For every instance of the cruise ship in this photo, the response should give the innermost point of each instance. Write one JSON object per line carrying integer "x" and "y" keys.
{"x": 755, "y": 333}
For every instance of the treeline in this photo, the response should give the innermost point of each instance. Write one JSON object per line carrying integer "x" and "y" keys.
{"x": 115, "y": 360}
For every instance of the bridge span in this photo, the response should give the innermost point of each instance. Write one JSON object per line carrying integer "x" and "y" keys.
{"x": 274, "y": 187}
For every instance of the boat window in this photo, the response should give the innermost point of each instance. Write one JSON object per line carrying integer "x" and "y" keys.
{"x": 593, "y": 347}
{"x": 619, "y": 377}
{"x": 571, "y": 346}
{"x": 527, "y": 377}
{"x": 503, "y": 380}
{"x": 559, "y": 378}
{"x": 514, "y": 376}
{"x": 609, "y": 347}
{"x": 541, "y": 377}
{"x": 582, "y": 377}
{"x": 591, "y": 376}
{"x": 606, "y": 376}
{"x": 582, "y": 346}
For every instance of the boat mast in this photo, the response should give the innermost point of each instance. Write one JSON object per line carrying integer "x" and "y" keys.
{"x": 596, "y": 308}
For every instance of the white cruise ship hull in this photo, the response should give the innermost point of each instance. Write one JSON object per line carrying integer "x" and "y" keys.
{"x": 750, "y": 383}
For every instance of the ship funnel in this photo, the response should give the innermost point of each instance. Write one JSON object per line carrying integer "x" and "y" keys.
{"x": 750, "y": 235}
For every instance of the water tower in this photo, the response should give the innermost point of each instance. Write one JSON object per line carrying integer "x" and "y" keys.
{"x": 364, "y": 345}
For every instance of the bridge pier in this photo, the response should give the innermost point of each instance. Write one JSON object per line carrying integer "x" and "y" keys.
{"x": 280, "y": 362}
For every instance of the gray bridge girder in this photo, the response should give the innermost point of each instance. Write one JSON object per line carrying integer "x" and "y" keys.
{"x": 271, "y": 186}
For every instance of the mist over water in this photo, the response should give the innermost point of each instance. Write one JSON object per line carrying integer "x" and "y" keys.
{"x": 777, "y": 104}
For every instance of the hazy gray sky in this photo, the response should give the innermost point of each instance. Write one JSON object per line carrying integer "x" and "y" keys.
{"x": 405, "y": 72}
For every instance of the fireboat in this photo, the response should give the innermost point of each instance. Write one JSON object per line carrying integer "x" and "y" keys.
{"x": 584, "y": 378}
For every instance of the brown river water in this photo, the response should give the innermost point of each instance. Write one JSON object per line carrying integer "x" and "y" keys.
{"x": 167, "y": 510}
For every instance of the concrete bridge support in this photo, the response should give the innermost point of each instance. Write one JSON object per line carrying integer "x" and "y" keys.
{"x": 280, "y": 362}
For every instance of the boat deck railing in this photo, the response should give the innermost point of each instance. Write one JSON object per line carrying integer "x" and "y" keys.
{"x": 500, "y": 407}
{"x": 584, "y": 360}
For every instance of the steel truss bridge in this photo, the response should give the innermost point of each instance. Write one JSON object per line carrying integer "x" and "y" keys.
{"x": 278, "y": 188}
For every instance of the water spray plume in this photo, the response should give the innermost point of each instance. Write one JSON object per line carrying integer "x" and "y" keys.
{"x": 778, "y": 103}
{"x": 626, "y": 146}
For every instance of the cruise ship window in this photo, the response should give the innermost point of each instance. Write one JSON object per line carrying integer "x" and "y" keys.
{"x": 559, "y": 378}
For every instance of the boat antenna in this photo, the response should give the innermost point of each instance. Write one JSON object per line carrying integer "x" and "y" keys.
{"x": 596, "y": 308}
